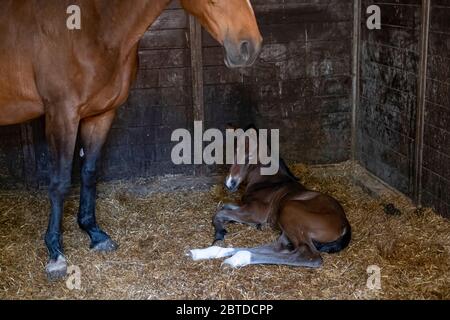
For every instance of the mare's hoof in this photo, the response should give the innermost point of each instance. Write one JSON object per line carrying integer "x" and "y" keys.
{"x": 56, "y": 269}
{"x": 106, "y": 246}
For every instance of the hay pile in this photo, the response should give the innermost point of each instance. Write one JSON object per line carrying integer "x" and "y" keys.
{"x": 155, "y": 229}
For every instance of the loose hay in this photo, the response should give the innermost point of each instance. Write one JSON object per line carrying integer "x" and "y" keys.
{"x": 154, "y": 231}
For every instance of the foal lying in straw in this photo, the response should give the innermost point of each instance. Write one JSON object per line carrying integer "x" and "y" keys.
{"x": 310, "y": 222}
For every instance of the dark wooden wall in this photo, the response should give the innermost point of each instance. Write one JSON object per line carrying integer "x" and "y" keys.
{"x": 11, "y": 156}
{"x": 226, "y": 97}
{"x": 160, "y": 102}
{"x": 388, "y": 92}
{"x": 302, "y": 81}
{"x": 389, "y": 141}
{"x": 436, "y": 153}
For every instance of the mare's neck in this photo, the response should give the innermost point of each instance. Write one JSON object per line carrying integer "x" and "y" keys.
{"x": 124, "y": 22}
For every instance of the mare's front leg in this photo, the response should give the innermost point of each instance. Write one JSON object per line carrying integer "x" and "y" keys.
{"x": 61, "y": 131}
{"x": 93, "y": 132}
{"x": 252, "y": 214}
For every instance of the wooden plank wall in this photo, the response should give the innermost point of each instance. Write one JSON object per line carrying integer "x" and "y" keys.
{"x": 436, "y": 153}
{"x": 11, "y": 156}
{"x": 302, "y": 82}
{"x": 389, "y": 100}
{"x": 225, "y": 94}
{"x": 388, "y": 92}
{"x": 160, "y": 102}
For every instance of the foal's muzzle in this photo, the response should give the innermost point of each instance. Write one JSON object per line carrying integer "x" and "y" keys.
{"x": 231, "y": 184}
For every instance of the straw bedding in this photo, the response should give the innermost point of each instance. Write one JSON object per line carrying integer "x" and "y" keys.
{"x": 155, "y": 229}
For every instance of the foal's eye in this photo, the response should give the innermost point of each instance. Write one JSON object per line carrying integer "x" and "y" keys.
{"x": 213, "y": 2}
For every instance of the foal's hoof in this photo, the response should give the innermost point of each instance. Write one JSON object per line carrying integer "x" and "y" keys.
{"x": 218, "y": 243}
{"x": 313, "y": 263}
{"x": 239, "y": 259}
{"x": 56, "y": 268}
{"x": 105, "y": 246}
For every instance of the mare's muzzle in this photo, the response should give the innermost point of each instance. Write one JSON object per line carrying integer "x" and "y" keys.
{"x": 242, "y": 54}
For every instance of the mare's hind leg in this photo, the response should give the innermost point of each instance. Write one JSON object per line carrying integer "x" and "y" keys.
{"x": 300, "y": 257}
{"x": 93, "y": 133}
{"x": 61, "y": 130}
{"x": 252, "y": 214}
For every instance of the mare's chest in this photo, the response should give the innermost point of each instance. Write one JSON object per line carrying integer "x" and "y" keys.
{"x": 105, "y": 82}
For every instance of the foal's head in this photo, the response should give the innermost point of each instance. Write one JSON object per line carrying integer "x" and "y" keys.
{"x": 245, "y": 157}
{"x": 233, "y": 24}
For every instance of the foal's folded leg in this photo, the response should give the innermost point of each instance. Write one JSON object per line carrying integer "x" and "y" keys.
{"x": 250, "y": 214}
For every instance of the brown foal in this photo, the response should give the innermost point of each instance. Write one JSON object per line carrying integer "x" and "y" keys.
{"x": 310, "y": 222}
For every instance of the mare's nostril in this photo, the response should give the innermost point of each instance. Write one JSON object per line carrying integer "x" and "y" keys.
{"x": 245, "y": 50}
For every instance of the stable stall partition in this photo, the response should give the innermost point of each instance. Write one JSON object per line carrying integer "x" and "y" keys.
{"x": 359, "y": 80}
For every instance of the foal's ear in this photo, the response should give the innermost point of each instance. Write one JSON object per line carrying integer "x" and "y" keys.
{"x": 230, "y": 126}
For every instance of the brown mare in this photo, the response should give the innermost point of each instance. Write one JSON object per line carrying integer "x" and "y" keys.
{"x": 310, "y": 222}
{"x": 78, "y": 78}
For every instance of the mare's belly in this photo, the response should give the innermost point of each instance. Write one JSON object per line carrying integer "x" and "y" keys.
{"x": 18, "y": 111}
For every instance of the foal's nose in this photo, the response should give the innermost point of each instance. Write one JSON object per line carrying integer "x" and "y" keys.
{"x": 231, "y": 184}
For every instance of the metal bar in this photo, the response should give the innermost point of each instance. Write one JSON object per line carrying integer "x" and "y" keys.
{"x": 420, "y": 110}
{"x": 195, "y": 36}
{"x": 195, "y": 31}
{"x": 356, "y": 74}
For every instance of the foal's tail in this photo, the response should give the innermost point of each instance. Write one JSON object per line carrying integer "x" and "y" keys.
{"x": 338, "y": 245}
